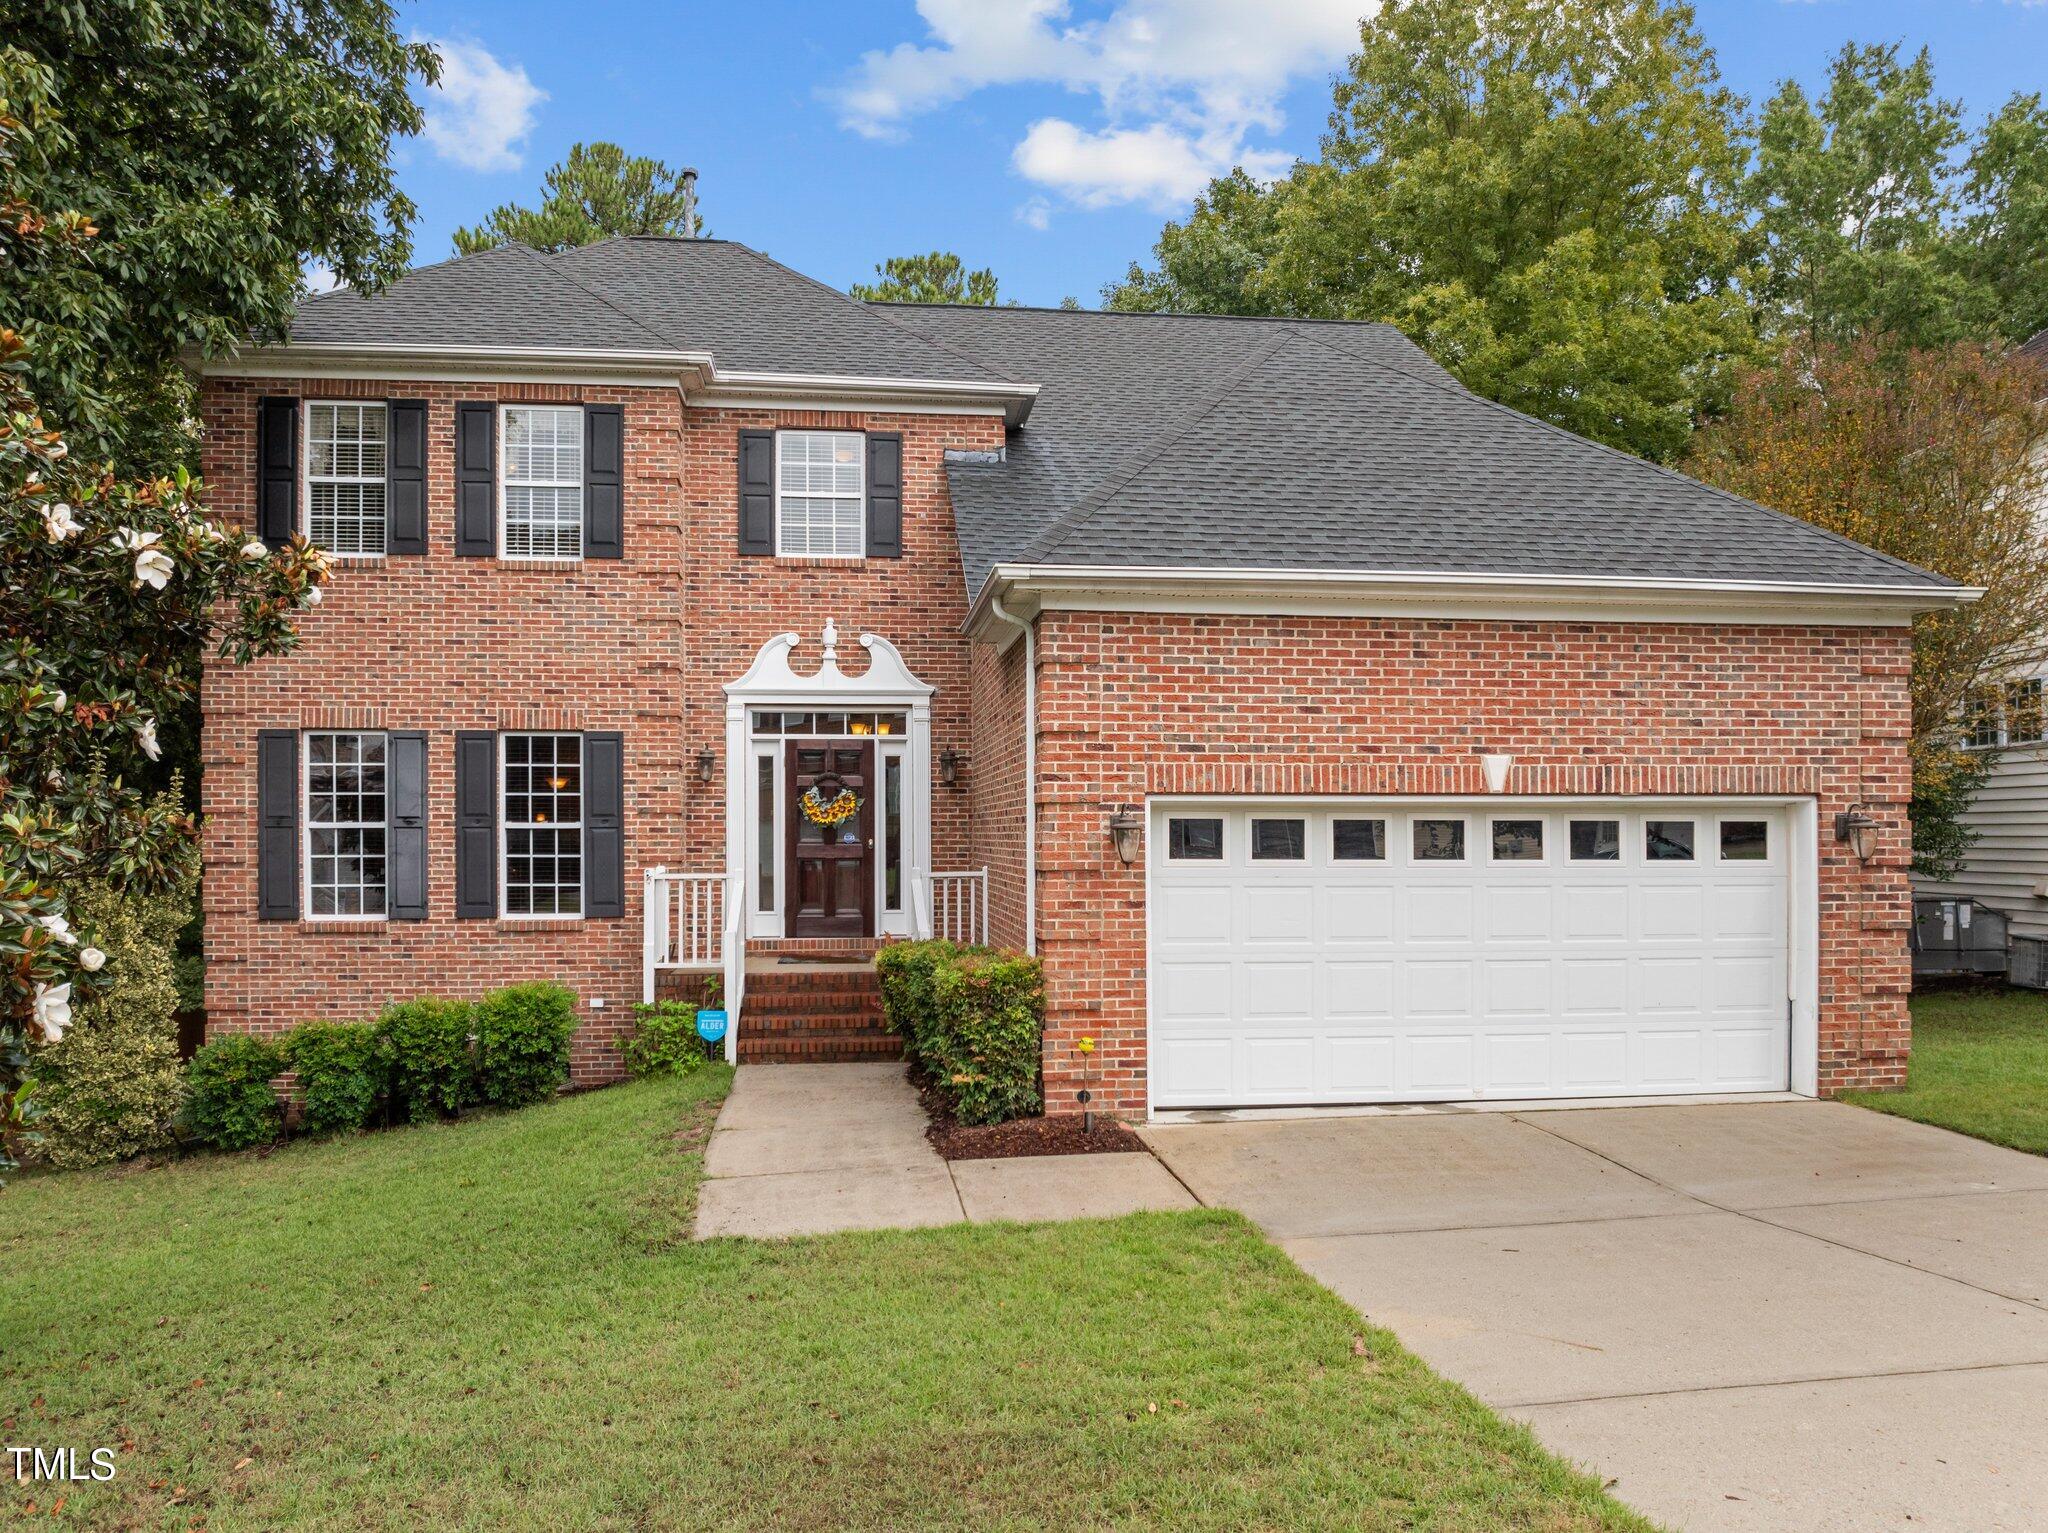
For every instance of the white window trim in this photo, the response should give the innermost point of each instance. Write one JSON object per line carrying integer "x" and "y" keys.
{"x": 582, "y": 487}
{"x": 860, "y": 497}
{"x": 306, "y": 408}
{"x": 306, "y": 830}
{"x": 505, "y": 829}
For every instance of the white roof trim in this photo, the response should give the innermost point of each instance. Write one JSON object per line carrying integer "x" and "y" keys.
{"x": 702, "y": 381}
{"x": 1407, "y": 593}
{"x": 771, "y": 679}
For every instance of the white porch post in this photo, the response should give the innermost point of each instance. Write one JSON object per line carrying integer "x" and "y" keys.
{"x": 738, "y": 901}
{"x": 917, "y": 862}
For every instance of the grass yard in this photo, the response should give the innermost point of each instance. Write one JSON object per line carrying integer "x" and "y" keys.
{"x": 1979, "y": 1066}
{"x": 502, "y": 1323}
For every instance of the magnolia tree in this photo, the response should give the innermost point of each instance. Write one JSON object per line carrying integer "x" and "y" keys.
{"x": 111, "y": 592}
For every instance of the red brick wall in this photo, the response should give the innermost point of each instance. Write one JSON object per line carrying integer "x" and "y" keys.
{"x": 641, "y": 645}
{"x": 1133, "y": 705}
{"x": 996, "y": 839}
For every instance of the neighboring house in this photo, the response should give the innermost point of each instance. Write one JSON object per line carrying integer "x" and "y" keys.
{"x": 1334, "y": 735}
{"x": 2007, "y": 867}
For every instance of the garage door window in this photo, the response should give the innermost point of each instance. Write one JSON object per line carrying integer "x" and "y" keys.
{"x": 1517, "y": 840}
{"x": 1745, "y": 841}
{"x": 1596, "y": 841}
{"x": 1194, "y": 840}
{"x": 1279, "y": 840}
{"x": 1439, "y": 840}
{"x": 1668, "y": 840}
{"x": 1358, "y": 840}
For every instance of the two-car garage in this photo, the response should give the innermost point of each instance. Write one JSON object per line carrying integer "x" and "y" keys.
{"x": 1347, "y": 951}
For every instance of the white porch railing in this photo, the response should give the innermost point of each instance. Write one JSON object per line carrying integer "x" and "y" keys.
{"x": 692, "y": 921}
{"x": 958, "y": 907}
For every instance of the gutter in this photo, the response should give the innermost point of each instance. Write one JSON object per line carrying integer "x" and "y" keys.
{"x": 1002, "y": 614}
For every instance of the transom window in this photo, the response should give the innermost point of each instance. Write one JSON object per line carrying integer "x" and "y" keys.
{"x": 1596, "y": 840}
{"x": 345, "y": 456}
{"x": 1358, "y": 840}
{"x": 1439, "y": 840}
{"x": 1517, "y": 840}
{"x": 820, "y": 499}
{"x": 345, "y": 825}
{"x": 1196, "y": 839}
{"x": 543, "y": 804}
{"x": 1668, "y": 840}
{"x": 543, "y": 482}
{"x": 812, "y": 724}
{"x": 1279, "y": 840}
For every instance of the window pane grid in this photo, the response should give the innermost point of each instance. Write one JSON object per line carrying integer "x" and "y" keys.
{"x": 345, "y": 824}
{"x": 819, "y": 494}
{"x": 345, "y": 458}
{"x": 543, "y": 811}
{"x": 543, "y": 471}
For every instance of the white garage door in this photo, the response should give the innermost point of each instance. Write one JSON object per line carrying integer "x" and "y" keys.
{"x": 1371, "y": 953}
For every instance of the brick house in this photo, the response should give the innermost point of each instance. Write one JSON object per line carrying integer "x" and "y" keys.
{"x": 1333, "y": 734}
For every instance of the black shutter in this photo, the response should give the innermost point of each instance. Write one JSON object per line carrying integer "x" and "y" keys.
{"x": 405, "y": 477}
{"x": 757, "y": 492}
{"x": 405, "y": 832}
{"x": 277, "y": 470}
{"x": 885, "y": 495}
{"x": 604, "y": 482}
{"x": 604, "y": 821}
{"x": 476, "y": 825}
{"x": 277, "y": 825}
{"x": 476, "y": 473}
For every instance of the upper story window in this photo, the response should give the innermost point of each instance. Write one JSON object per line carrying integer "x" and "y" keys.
{"x": 820, "y": 494}
{"x": 345, "y": 825}
{"x": 2023, "y": 715}
{"x": 2016, "y": 714}
{"x": 345, "y": 463}
{"x": 543, "y": 482}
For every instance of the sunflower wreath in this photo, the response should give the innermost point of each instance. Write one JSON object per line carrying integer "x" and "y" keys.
{"x": 835, "y": 811}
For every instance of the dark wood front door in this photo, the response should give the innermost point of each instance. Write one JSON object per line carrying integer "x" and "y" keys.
{"x": 831, "y": 873}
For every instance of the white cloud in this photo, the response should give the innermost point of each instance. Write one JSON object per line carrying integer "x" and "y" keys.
{"x": 1180, "y": 85}
{"x": 483, "y": 109}
{"x": 1035, "y": 213}
{"x": 319, "y": 277}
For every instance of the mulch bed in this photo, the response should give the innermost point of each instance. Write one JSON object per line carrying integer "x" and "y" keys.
{"x": 1060, "y": 1134}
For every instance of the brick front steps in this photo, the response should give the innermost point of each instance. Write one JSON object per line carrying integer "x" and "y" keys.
{"x": 805, "y": 1014}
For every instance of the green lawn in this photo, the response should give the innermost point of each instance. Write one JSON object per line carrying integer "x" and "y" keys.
{"x": 502, "y": 1323}
{"x": 1979, "y": 1066}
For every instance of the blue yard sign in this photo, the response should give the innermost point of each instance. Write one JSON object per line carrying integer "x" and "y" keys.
{"x": 711, "y": 1025}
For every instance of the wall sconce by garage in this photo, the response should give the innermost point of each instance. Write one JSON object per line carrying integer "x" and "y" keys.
{"x": 706, "y": 765}
{"x": 950, "y": 762}
{"x": 1858, "y": 831}
{"x": 1126, "y": 833}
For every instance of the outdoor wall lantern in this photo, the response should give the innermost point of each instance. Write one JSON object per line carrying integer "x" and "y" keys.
{"x": 1126, "y": 830}
{"x": 706, "y": 765}
{"x": 949, "y": 768}
{"x": 1859, "y": 831}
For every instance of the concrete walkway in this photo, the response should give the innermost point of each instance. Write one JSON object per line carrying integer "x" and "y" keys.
{"x": 814, "y": 1149}
{"x": 1766, "y": 1316}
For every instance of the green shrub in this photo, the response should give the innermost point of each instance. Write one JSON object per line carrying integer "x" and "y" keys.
{"x": 342, "y": 1072}
{"x": 906, "y": 970}
{"x": 232, "y": 1103}
{"x": 522, "y": 1043}
{"x": 427, "y": 1057}
{"x": 113, "y": 1087}
{"x": 665, "y": 1040}
{"x": 972, "y": 1020}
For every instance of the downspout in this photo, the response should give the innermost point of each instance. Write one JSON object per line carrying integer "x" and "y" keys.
{"x": 996, "y": 607}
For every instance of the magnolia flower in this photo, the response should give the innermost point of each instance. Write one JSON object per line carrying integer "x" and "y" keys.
{"x": 58, "y": 449}
{"x": 59, "y": 521}
{"x": 60, "y": 700}
{"x": 52, "y": 1010}
{"x": 91, "y": 959}
{"x": 59, "y": 928}
{"x": 153, "y": 566}
{"x": 145, "y": 736}
{"x": 312, "y": 596}
{"x": 55, "y": 780}
{"x": 255, "y": 548}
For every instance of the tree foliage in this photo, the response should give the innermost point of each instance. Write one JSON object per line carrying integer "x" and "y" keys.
{"x": 216, "y": 147}
{"x": 112, "y": 591}
{"x": 1935, "y": 456}
{"x": 940, "y": 277}
{"x": 597, "y": 192}
{"x": 1539, "y": 193}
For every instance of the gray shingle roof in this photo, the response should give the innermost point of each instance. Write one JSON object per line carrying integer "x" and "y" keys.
{"x": 1200, "y": 441}
{"x": 2036, "y": 346}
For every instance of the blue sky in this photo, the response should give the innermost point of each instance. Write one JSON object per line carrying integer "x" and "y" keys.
{"x": 1048, "y": 139}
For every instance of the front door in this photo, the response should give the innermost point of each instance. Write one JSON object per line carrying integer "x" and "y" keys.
{"x": 831, "y": 872}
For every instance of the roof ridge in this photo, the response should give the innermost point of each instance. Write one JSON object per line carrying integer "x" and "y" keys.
{"x": 1459, "y": 391}
{"x": 602, "y": 295}
{"x": 1048, "y": 308}
{"x": 1121, "y": 474}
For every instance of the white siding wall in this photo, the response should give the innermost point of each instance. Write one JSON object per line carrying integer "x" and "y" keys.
{"x": 2011, "y": 854}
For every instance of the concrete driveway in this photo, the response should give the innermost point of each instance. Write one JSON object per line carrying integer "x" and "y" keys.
{"x": 1761, "y": 1316}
